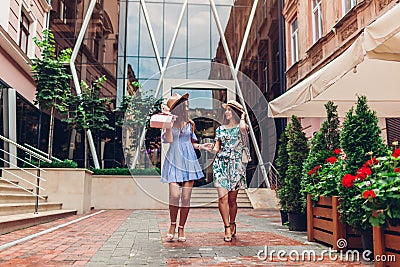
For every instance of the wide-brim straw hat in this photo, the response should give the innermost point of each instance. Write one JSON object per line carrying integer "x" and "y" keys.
{"x": 174, "y": 100}
{"x": 233, "y": 104}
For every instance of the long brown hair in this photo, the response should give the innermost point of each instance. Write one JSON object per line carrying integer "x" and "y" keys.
{"x": 179, "y": 110}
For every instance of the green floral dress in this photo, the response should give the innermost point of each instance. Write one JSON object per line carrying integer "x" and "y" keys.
{"x": 229, "y": 170}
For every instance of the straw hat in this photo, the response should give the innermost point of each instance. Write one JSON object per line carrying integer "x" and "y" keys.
{"x": 234, "y": 104}
{"x": 174, "y": 100}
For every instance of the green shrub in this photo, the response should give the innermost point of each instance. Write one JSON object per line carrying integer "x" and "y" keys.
{"x": 126, "y": 171}
{"x": 67, "y": 163}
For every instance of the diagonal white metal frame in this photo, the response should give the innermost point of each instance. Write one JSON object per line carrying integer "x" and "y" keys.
{"x": 234, "y": 75}
{"x": 75, "y": 75}
{"x": 234, "y": 70}
{"x": 161, "y": 66}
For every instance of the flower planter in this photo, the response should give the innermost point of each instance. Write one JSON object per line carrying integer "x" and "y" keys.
{"x": 323, "y": 221}
{"x": 387, "y": 246}
{"x": 297, "y": 221}
{"x": 284, "y": 216}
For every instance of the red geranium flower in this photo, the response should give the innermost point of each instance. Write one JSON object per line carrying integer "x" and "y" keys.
{"x": 397, "y": 170}
{"x": 316, "y": 168}
{"x": 348, "y": 180}
{"x": 371, "y": 162}
{"x": 337, "y": 151}
{"x": 331, "y": 160}
{"x": 369, "y": 193}
{"x": 363, "y": 172}
{"x": 396, "y": 153}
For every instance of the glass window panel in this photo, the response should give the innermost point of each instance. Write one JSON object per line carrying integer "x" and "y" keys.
{"x": 132, "y": 33}
{"x": 172, "y": 12}
{"x": 147, "y": 67}
{"x": 149, "y": 86}
{"x": 199, "y": 31}
{"x": 224, "y": 14}
{"x": 157, "y": 21}
{"x": 180, "y": 47}
{"x": 199, "y": 69}
{"x": 145, "y": 45}
{"x": 176, "y": 69}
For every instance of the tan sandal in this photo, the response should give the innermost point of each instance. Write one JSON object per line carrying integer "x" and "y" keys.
{"x": 181, "y": 238}
{"x": 170, "y": 237}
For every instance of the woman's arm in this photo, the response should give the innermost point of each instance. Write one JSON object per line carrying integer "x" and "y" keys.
{"x": 169, "y": 138}
{"x": 242, "y": 124}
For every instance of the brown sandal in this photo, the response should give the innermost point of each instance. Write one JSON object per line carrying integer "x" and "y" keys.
{"x": 234, "y": 229}
{"x": 228, "y": 238}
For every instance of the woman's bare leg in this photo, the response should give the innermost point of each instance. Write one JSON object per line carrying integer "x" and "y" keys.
{"x": 232, "y": 200}
{"x": 185, "y": 205}
{"x": 224, "y": 208}
{"x": 174, "y": 195}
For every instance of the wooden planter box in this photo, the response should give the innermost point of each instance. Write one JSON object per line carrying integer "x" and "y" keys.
{"x": 323, "y": 224}
{"x": 387, "y": 245}
{"x": 323, "y": 221}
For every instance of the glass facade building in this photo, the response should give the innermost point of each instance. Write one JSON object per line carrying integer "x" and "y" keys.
{"x": 166, "y": 45}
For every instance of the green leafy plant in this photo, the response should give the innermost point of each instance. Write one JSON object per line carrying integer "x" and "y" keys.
{"x": 297, "y": 150}
{"x": 360, "y": 137}
{"x": 67, "y": 163}
{"x": 126, "y": 171}
{"x": 135, "y": 113}
{"x": 317, "y": 172}
{"x": 378, "y": 183}
{"x": 51, "y": 78}
{"x": 281, "y": 163}
{"x": 88, "y": 110}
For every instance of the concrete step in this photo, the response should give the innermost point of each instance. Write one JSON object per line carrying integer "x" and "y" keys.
{"x": 20, "y": 208}
{"x": 9, "y": 223}
{"x": 19, "y": 198}
{"x": 2, "y": 182}
{"x": 8, "y": 188}
{"x": 215, "y": 199}
{"x": 215, "y": 205}
{"x": 208, "y": 198}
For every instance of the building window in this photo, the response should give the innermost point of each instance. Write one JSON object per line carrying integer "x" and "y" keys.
{"x": 348, "y": 5}
{"x": 62, "y": 11}
{"x": 317, "y": 19}
{"x": 66, "y": 11}
{"x": 24, "y": 32}
{"x": 295, "y": 41}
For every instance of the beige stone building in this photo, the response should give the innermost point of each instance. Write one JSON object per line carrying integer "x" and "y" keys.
{"x": 319, "y": 31}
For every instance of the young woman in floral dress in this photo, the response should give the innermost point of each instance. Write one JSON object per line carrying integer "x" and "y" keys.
{"x": 229, "y": 169}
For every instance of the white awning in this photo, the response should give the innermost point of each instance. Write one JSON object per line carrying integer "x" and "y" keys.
{"x": 370, "y": 67}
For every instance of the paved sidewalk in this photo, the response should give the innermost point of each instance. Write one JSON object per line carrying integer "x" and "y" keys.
{"x": 135, "y": 238}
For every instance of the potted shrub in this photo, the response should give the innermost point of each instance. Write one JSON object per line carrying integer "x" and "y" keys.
{"x": 360, "y": 136}
{"x": 281, "y": 163}
{"x": 297, "y": 150}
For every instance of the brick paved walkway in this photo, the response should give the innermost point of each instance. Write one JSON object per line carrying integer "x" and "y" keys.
{"x": 134, "y": 238}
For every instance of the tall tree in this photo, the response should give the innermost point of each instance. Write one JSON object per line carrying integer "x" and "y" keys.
{"x": 360, "y": 137}
{"x": 297, "y": 149}
{"x": 323, "y": 144}
{"x": 51, "y": 78}
{"x": 281, "y": 163}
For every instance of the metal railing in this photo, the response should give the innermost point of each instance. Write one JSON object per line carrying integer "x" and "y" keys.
{"x": 44, "y": 154}
{"x": 9, "y": 162}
